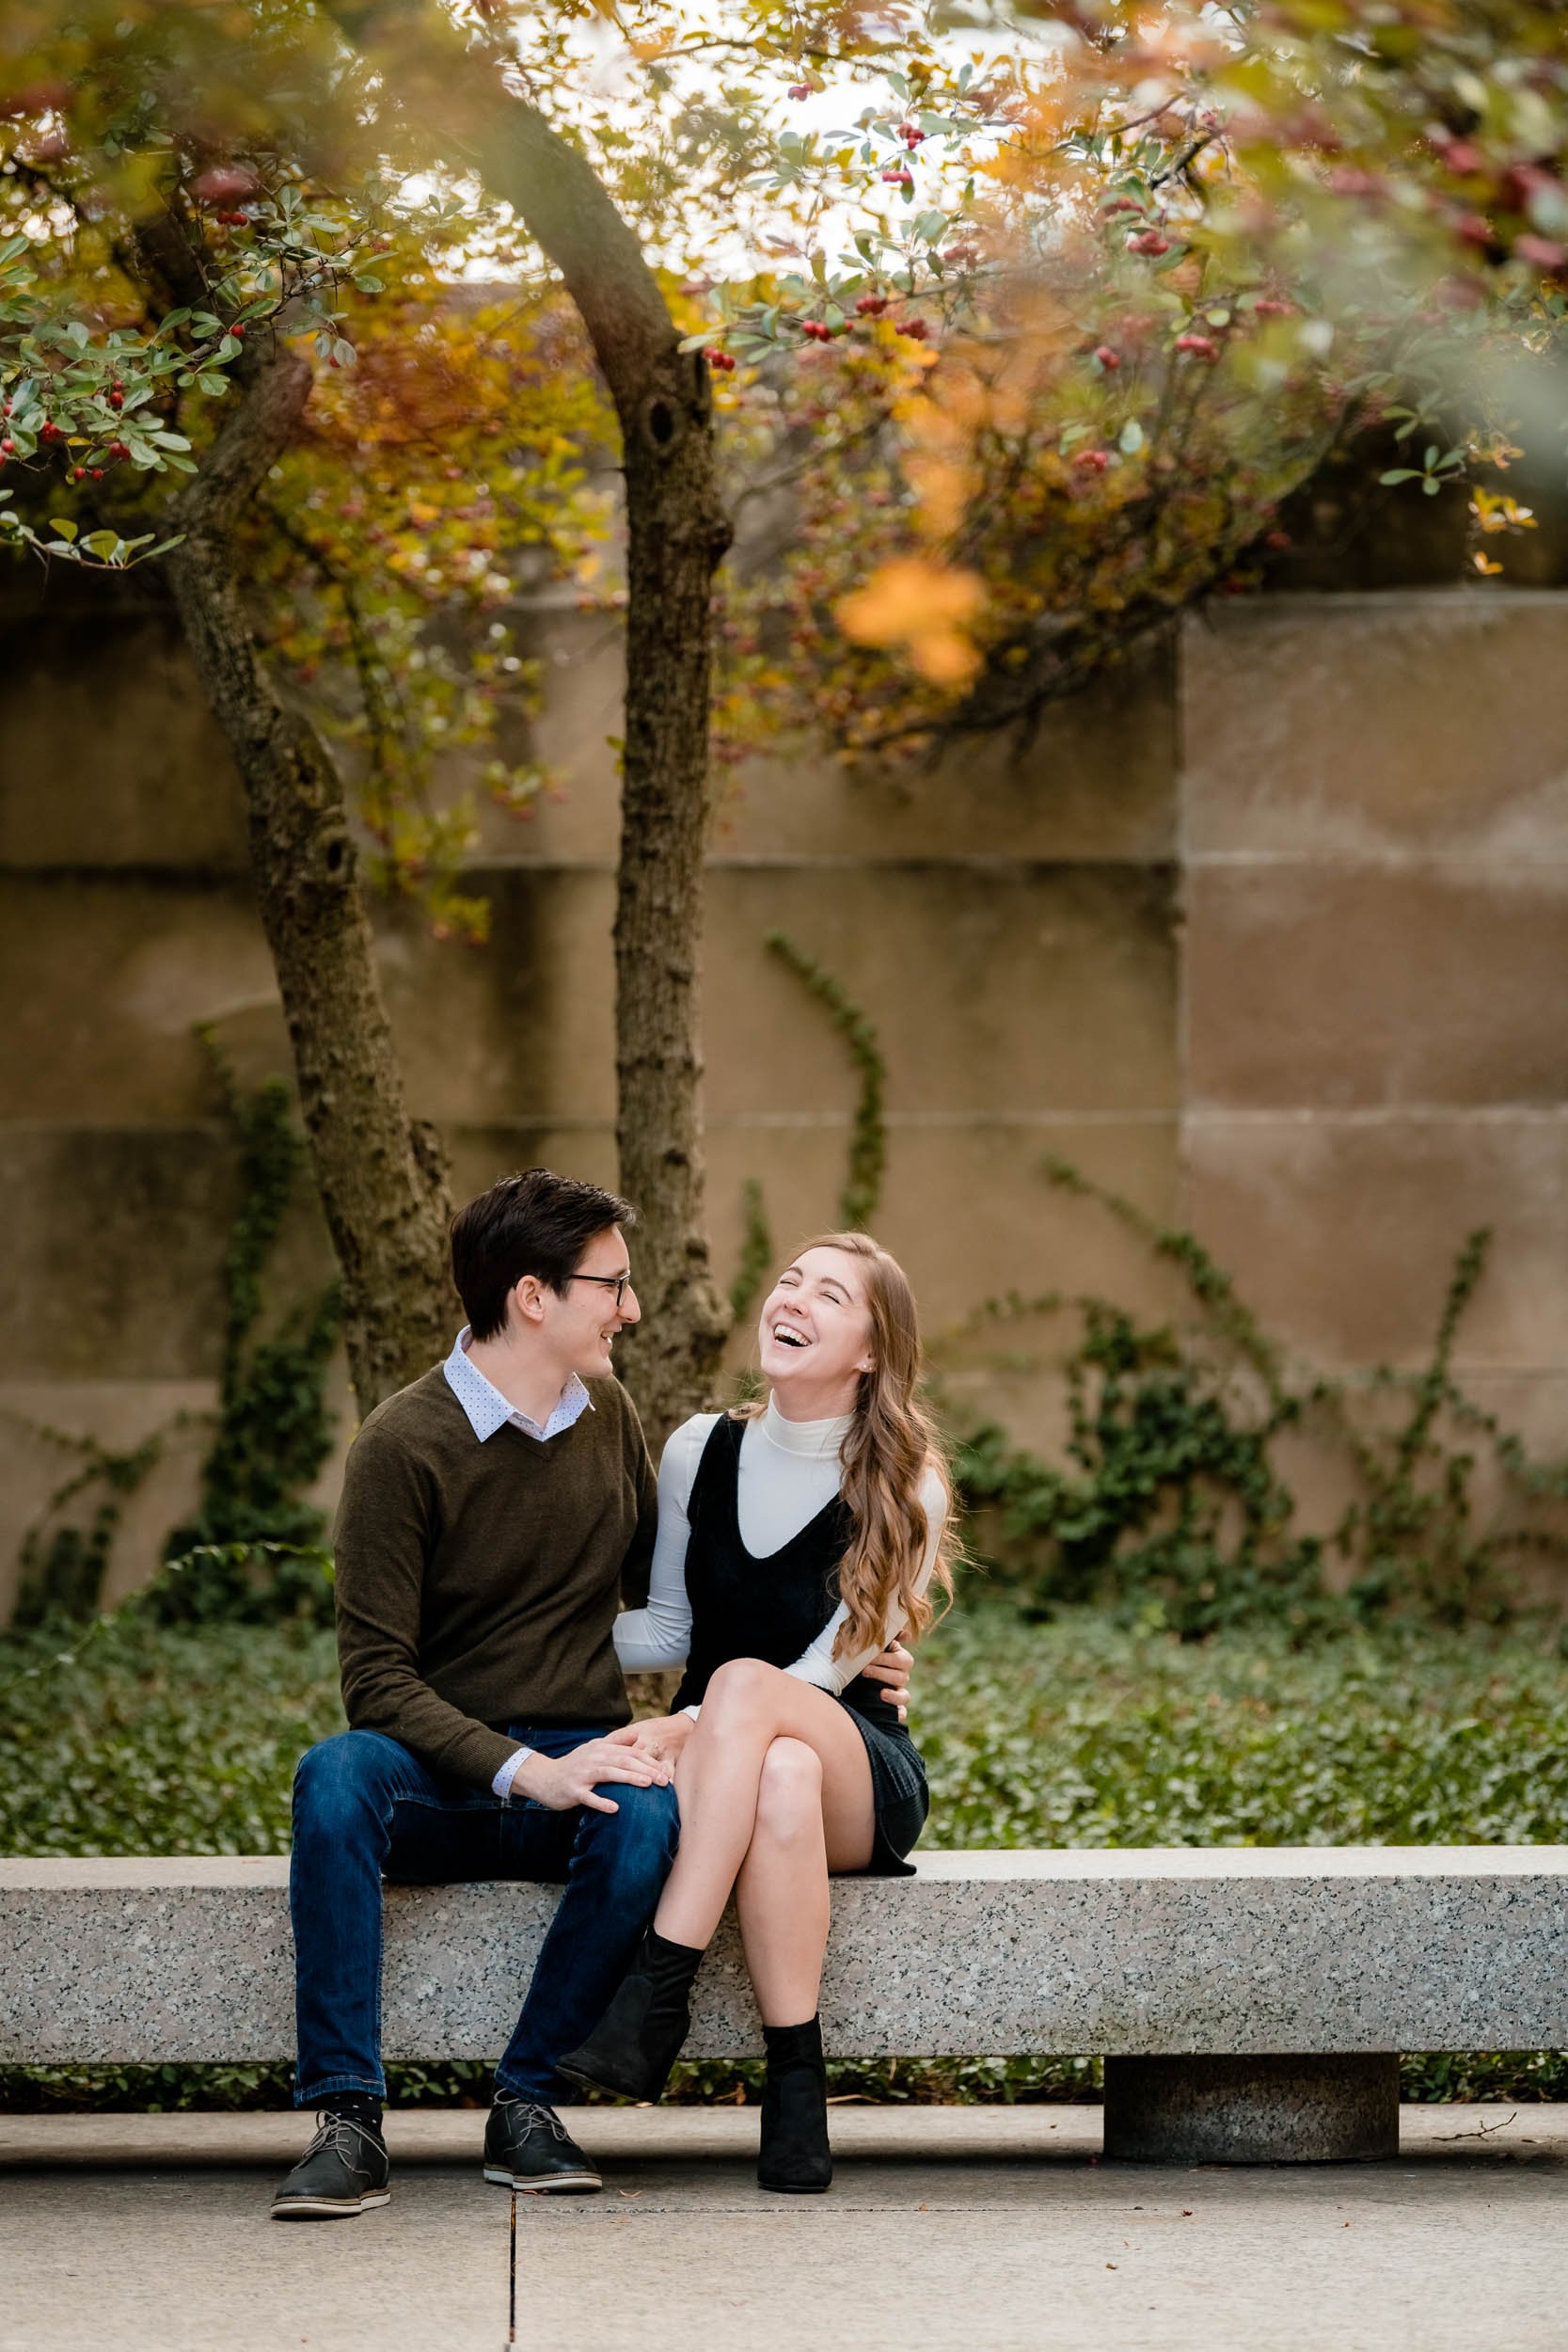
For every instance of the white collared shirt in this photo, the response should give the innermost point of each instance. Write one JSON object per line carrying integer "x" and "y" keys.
{"x": 487, "y": 1412}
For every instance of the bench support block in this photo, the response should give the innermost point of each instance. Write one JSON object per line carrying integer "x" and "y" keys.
{"x": 1252, "y": 2111}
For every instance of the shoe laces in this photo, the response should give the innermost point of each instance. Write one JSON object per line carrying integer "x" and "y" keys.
{"x": 332, "y": 2133}
{"x": 533, "y": 2112}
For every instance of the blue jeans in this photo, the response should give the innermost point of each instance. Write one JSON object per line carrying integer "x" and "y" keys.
{"x": 365, "y": 1809}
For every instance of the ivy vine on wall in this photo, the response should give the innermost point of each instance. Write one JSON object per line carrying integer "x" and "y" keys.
{"x": 274, "y": 1427}
{"x": 253, "y": 1546}
{"x": 1171, "y": 1501}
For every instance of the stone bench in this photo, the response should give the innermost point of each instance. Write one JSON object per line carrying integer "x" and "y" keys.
{"x": 1250, "y": 2002}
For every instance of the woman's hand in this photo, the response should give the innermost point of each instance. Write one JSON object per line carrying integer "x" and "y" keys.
{"x": 662, "y": 1736}
{"x": 893, "y": 1667}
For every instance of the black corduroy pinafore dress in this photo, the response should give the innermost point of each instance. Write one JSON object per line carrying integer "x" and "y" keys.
{"x": 773, "y": 1609}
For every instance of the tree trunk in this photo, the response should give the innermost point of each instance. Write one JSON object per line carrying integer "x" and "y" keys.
{"x": 679, "y": 535}
{"x": 382, "y": 1180}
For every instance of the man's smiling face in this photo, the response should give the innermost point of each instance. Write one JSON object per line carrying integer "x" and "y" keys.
{"x": 584, "y": 1321}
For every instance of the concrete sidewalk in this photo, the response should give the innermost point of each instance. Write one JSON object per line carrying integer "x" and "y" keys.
{"x": 956, "y": 2229}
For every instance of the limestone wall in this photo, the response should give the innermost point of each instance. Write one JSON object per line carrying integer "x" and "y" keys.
{"x": 1266, "y": 931}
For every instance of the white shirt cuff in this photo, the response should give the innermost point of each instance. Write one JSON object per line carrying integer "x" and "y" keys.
{"x": 503, "y": 1781}
{"x": 692, "y": 1711}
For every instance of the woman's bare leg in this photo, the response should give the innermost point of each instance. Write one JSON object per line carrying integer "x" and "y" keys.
{"x": 747, "y": 1707}
{"x": 782, "y": 1892}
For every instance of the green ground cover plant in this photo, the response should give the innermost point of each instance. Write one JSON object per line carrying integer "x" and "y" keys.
{"x": 147, "y": 1736}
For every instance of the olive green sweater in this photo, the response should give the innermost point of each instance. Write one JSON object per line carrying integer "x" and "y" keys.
{"x": 478, "y": 1584}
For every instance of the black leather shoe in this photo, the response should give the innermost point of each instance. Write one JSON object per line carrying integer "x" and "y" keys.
{"x": 528, "y": 2147}
{"x": 344, "y": 2171}
{"x": 795, "y": 2156}
{"x": 637, "y": 2039}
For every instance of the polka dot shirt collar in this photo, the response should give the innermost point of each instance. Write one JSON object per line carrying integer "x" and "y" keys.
{"x": 488, "y": 1410}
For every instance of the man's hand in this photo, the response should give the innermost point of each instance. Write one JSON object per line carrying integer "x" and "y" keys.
{"x": 661, "y": 1736}
{"x": 563, "y": 1781}
{"x": 893, "y": 1667}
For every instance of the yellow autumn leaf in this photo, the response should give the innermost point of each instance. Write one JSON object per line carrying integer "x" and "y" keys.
{"x": 922, "y": 607}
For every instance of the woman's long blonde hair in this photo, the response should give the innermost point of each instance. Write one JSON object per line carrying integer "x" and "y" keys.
{"x": 887, "y": 1449}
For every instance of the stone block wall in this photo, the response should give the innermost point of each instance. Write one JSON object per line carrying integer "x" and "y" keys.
{"x": 1263, "y": 930}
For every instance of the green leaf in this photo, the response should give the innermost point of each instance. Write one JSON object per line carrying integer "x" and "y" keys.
{"x": 103, "y": 544}
{"x": 1401, "y": 473}
{"x": 63, "y": 525}
{"x": 931, "y": 226}
{"x": 1130, "y": 438}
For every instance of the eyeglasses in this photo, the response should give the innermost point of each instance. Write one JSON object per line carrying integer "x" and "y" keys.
{"x": 619, "y": 1283}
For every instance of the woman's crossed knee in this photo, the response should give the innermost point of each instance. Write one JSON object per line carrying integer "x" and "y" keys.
{"x": 789, "y": 1793}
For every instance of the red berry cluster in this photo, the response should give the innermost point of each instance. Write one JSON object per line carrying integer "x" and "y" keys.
{"x": 899, "y": 175}
{"x": 916, "y": 329}
{"x": 1201, "y": 346}
{"x": 1092, "y": 460}
{"x": 870, "y": 306}
{"x": 1148, "y": 241}
{"x": 722, "y": 361}
{"x": 1110, "y": 360}
{"x": 911, "y": 134}
{"x": 817, "y": 331}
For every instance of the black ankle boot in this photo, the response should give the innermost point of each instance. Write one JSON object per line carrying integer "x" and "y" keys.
{"x": 637, "y": 2039}
{"x": 795, "y": 2155}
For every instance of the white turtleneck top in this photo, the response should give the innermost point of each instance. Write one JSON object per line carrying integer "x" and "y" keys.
{"x": 789, "y": 1471}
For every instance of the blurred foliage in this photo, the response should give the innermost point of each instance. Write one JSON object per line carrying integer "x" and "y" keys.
{"x": 1110, "y": 287}
{"x": 1144, "y": 269}
{"x": 1076, "y": 1733}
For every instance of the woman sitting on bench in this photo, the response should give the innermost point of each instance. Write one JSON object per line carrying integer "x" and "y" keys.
{"x": 795, "y": 1539}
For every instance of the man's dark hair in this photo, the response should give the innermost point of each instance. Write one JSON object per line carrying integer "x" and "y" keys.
{"x": 536, "y": 1223}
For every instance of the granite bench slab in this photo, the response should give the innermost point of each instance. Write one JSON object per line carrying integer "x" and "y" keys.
{"x": 1134, "y": 1953}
